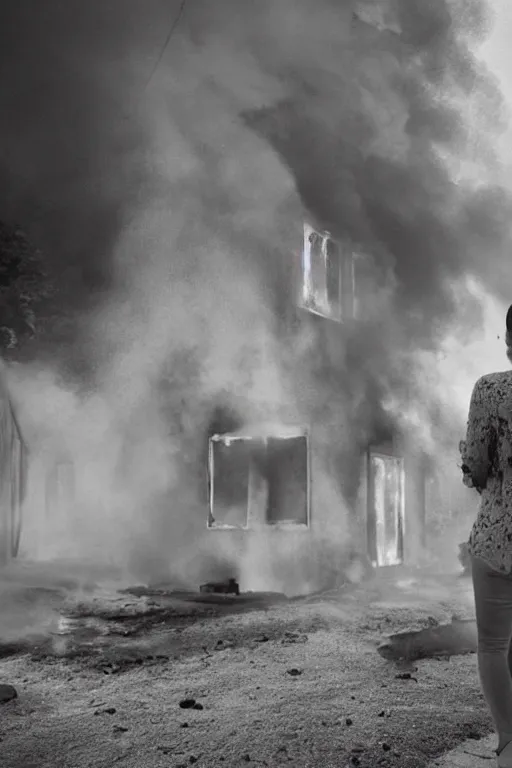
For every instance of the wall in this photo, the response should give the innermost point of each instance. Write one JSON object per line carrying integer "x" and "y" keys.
{"x": 335, "y": 546}
{"x": 324, "y": 389}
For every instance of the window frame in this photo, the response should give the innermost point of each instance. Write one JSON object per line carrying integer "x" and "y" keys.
{"x": 300, "y": 433}
{"x": 213, "y": 526}
{"x": 371, "y": 511}
{"x": 346, "y": 277}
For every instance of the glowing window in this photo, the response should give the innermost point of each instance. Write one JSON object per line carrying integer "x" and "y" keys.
{"x": 386, "y": 509}
{"x": 258, "y": 480}
{"x": 328, "y": 276}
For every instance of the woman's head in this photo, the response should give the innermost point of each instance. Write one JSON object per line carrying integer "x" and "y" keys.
{"x": 508, "y": 336}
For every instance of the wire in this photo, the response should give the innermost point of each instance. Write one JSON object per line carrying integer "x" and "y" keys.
{"x": 166, "y": 43}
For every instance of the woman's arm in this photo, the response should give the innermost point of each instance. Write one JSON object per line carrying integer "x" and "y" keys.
{"x": 477, "y": 462}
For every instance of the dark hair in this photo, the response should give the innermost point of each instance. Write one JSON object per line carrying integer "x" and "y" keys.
{"x": 508, "y": 335}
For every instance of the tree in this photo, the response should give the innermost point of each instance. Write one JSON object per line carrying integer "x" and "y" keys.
{"x": 24, "y": 288}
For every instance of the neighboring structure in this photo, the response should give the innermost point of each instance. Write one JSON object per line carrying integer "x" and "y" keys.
{"x": 13, "y": 478}
{"x": 50, "y": 528}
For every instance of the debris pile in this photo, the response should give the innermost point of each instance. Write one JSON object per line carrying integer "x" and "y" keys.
{"x": 229, "y": 587}
{"x": 7, "y": 693}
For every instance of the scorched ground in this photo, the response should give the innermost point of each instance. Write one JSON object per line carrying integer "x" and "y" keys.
{"x": 148, "y": 678}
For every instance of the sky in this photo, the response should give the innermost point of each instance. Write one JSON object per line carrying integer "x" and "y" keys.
{"x": 484, "y": 353}
{"x": 461, "y": 367}
{"x": 496, "y": 52}
{"x": 496, "y": 49}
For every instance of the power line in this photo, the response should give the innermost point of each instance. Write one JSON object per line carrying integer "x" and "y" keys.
{"x": 166, "y": 43}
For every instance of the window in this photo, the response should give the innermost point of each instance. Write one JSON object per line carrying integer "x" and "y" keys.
{"x": 287, "y": 479}
{"x": 258, "y": 480}
{"x": 386, "y": 509}
{"x": 328, "y": 276}
{"x": 229, "y": 463}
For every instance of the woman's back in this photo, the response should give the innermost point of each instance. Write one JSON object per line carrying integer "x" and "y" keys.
{"x": 487, "y": 456}
{"x": 488, "y": 459}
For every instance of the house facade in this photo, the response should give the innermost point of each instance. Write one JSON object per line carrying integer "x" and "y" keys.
{"x": 297, "y": 504}
{"x": 293, "y": 495}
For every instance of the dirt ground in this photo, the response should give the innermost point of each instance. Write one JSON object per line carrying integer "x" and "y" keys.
{"x": 100, "y": 676}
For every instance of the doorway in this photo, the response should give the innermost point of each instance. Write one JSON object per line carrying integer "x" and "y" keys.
{"x": 386, "y": 509}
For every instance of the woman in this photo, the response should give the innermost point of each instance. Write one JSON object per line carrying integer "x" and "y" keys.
{"x": 487, "y": 466}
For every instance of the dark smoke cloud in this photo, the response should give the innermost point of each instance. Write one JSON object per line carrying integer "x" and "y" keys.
{"x": 355, "y": 97}
{"x": 403, "y": 206}
{"x": 68, "y": 158}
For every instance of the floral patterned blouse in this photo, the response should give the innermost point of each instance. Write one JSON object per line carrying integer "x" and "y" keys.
{"x": 487, "y": 466}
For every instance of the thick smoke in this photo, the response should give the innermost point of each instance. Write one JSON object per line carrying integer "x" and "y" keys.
{"x": 181, "y": 201}
{"x": 367, "y": 145}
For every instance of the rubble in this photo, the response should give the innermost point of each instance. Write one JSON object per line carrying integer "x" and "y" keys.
{"x": 7, "y": 693}
{"x": 190, "y": 704}
{"x": 224, "y": 645}
{"x": 406, "y": 676}
{"x": 229, "y": 587}
{"x": 294, "y": 672}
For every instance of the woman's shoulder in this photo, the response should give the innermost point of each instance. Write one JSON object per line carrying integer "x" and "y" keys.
{"x": 495, "y": 379}
{"x": 495, "y": 386}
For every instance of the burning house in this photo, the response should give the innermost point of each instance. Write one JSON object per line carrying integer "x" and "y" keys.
{"x": 360, "y": 283}
{"x": 287, "y": 241}
{"x": 265, "y": 479}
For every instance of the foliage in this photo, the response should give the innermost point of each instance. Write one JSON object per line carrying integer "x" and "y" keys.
{"x": 24, "y": 287}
